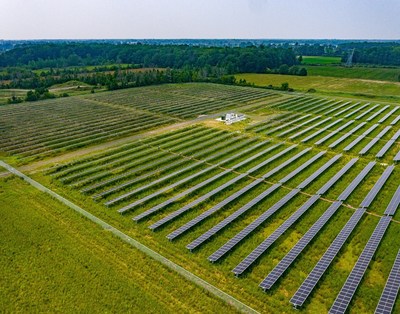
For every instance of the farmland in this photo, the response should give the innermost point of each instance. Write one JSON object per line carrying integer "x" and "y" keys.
{"x": 263, "y": 200}
{"x": 319, "y": 60}
{"x": 356, "y": 72}
{"x": 378, "y": 90}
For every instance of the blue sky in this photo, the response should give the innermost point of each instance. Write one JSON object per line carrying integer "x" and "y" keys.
{"x": 342, "y": 19}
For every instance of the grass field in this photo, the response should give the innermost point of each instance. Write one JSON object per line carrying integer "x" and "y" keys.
{"x": 321, "y": 60}
{"x": 366, "y": 73}
{"x": 389, "y": 91}
{"x": 53, "y": 260}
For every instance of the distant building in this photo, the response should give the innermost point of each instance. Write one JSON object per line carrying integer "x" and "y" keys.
{"x": 233, "y": 117}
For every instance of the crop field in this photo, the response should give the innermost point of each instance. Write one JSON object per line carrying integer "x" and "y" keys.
{"x": 296, "y": 206}
{"x": 264, "y": 209}
{"x": 321, "y": 60}
{"x": 329, "y": 85}
{"x": 366, "y": 73}
{"x": 184, "y": 100}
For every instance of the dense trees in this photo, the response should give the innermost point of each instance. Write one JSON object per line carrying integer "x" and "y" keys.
{"x": 233, "y": 59}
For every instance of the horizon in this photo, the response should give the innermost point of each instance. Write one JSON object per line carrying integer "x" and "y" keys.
{"x": 179, "y": 19}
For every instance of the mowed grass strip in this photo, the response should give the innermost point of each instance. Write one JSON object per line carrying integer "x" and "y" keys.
{"x": 53, "y": 260}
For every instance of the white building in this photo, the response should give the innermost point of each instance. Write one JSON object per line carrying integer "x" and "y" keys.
{"x": 232, "y": 117}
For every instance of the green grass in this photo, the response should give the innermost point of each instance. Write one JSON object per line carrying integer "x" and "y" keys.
{"x": 321, "y": 60}
{"x": 367, "y": 73}
{"x": 329, "y": 85}
{"x": 53, "y": 260}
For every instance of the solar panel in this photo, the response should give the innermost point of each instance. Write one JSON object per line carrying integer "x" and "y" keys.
{"x": 309, "y": 128}
{"x": 360, "y": 138}
{"x": 374, "y": 140}
{"x": 366, "y": 112}
{"x": 208, "y": 234}
{"x": 186, "y": 179}
{"x": 353, "y": 280}
{"x": 298, "y": 126}
{"x": 345, "y": 109}
{"x": 389, "y": 294}
{"x": 302, "y": 167}
{"x": 303, "y": 106}
{"x": 357, "y": 180}
{"x": 206, "y": 196}
{"x": 306, "y": 139}
{"x": 336, "y": 177}
{"x": 293, "y": 105}
{"x": 356, "y": 110}
{"x": 312, "y": 279}
{"x": 327, "y": 137}
{"x": 285, "y": 164}
{"x": 158, "y": 170}
{"x": 291, "y": 256}
{"x": 377, "y": 187}
{"x": 324, "y": 108}
{"x": 397, "y": 157}
{"x": 348, "y": 134}
{"x": 229, "y": 245}
{"x": 388, "y": 115}
{"x": 388, "y": 144}
{"x": 334, "y": 109}
{"x": 287, "y": 124}
{"x": 395, "y": 120}
{"x": 394, "y": 203}
{"x": 257, "y": 252}
{"x": 373, "y": 116}
{"x": 324, "y": 105}
{"x": 317, "y": 173}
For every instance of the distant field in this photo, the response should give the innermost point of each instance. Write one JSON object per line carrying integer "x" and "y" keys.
{"x": 53, "y": 260}
{"x": 329, "y": 85}
{"x": 381, "y": 74}
{"x": 5, "y": 94}
{"x": 321, "y": 60}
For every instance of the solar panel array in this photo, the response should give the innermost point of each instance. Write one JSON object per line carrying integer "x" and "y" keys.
{"x": 228, "y": 246}
{"x": 373, "y": 116}
{"x": 360, "y": 138}
{"x": 336, "y": 177}
{"x": 290, "y": 257}
{"x": 353, "y": 280}
{"x": 208, "y": 234}
{"x": 186, "y": 179}
{"x": 366, "y": 112}
{"x": 206, "y": 196}
{"x": 374, "y": 140}
{"x": 394, "y": 203}
{"x": 389, "y": 294}
{"x": 347, "y": 135}
{"x": 377, "y": 187}
{"x": 388, "y": 115}
{"x": 235, "y": 195}
{"x": 388, "y": 144}
{"x": 333, "y": 133}
{"x": 317, "y": 173}
{"x": 312, "y": 279}
{"x": 316, "y": 133}
{"x": 257, "y": 252}
{"x": 309, "y": 128}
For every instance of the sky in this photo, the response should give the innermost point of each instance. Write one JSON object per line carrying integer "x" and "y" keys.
{"x": 287, "y": 19}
